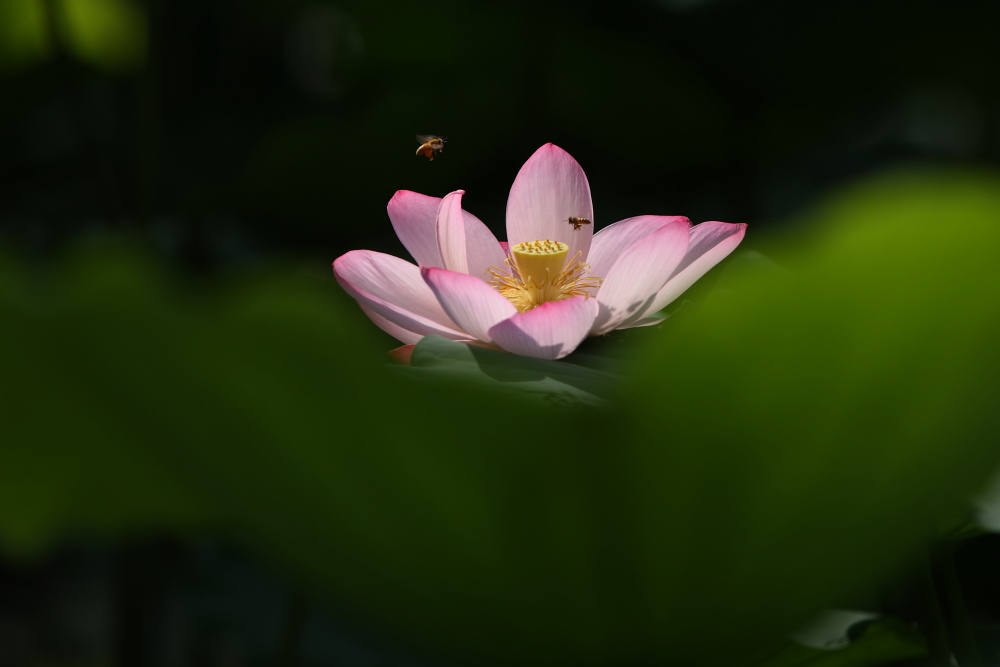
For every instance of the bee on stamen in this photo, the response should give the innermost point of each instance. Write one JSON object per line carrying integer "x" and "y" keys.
{"x": 577, "y": 222}
{"x": 430, "y": 144}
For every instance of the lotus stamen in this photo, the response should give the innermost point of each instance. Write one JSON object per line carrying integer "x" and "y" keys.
{"x": 537, "y": 272}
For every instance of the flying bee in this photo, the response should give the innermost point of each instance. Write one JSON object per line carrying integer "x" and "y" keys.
{"x": 577, "y": 222}
{"x": 429, "y": 145}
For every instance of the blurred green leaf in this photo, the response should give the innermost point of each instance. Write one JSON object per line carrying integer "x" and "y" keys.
{"x": 556, "y": 382}
{"x": 70, "y": 462}
{"x": 773, "y": 453}
{"x": 831, "y": 629}
{"x": 880, "y": 642}
{"x": 110, "y": 34}
{"x": 988, "y": 506}
{"x": 23, "y": 35}
{"x": 107, "y": 365}
{"x": 107, "y": 34}
{"x": 822, "y": 422}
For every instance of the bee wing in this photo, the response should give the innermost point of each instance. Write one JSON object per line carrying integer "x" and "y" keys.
{"x": 424, "y": 138}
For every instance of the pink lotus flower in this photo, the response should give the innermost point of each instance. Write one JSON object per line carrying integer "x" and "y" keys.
{"x": 550, "y": 286}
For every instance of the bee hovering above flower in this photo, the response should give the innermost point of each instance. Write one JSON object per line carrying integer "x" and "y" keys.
{"x": 429, "y": 145}
{"x": 577, "y": 222}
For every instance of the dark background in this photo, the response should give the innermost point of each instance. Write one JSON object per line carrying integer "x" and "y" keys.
{"x": 224, "y": 135}
{"x": 233, "y": 131}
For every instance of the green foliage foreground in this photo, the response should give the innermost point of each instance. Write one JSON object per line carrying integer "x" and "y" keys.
{"x": 775, "y": 450}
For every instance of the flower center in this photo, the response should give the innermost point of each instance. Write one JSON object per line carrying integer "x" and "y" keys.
{"x": 537, "y": 272}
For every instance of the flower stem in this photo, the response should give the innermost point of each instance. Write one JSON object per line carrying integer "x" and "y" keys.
{"x": 964, "y": 645}
{"x": 932, "y": 620}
